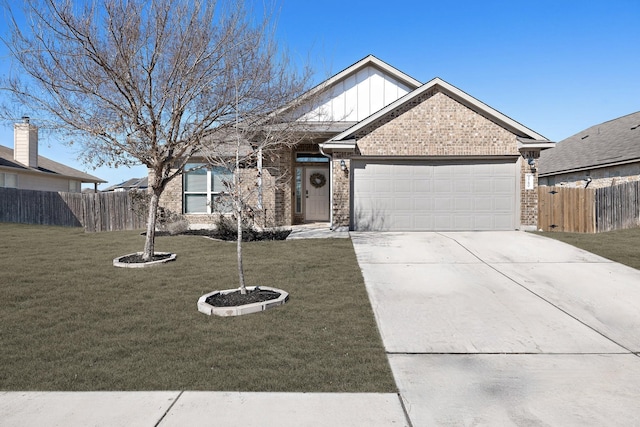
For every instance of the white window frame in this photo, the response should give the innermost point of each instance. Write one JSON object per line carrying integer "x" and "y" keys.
{"x": 3, "y": 179}
{"x": 210, "y": 193}
{"x": 75, "y": 186}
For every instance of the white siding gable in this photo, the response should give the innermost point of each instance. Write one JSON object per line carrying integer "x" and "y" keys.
{"x": 357, "y": 96}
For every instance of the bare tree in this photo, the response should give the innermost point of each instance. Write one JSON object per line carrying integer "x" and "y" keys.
{"x": 139, "y": 81}
{"x": 278, "y": 118}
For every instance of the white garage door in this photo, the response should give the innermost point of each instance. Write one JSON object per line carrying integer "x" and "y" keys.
{"x": 430, "y": 195}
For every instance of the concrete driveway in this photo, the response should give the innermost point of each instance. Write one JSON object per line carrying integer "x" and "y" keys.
{"x": 505, "y": 328}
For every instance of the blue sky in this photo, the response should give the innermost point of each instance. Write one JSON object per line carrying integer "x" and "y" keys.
{"x": 557, "y": 67}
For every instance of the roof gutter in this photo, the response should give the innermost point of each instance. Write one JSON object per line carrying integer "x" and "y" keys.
{"x": 534, "y": 144}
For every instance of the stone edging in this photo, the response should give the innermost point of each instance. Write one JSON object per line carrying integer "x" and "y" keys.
{"x": 118, "y": 263}
{"x": 239, "y": 310}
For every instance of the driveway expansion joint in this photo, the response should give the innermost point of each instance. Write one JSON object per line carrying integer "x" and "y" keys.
{"x": 492, "y": 266}
{"x": 169, "y": 408}
{"x": 404, "y": 410}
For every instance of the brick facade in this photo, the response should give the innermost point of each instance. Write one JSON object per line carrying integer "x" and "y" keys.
{"x": 430, "y": 125}
{"x": 434, "y": 124}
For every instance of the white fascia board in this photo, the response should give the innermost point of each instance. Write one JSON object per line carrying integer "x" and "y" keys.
{"x": 343, "y": 146}
{"x": 372, "y": 60}
{"x": 523, "y": 144}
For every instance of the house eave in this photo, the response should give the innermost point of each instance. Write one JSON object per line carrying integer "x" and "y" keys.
{"x": 534, "y": 144}
{"x": 588, "y": 168}
{"x": 31, "y": 171}
{"x": 469, "y": 101}
{"x": 346, "y": 146}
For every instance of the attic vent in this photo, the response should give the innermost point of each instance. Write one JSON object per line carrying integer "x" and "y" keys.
{"x": 585, "y": 137}
{"x": 635, "y": 127}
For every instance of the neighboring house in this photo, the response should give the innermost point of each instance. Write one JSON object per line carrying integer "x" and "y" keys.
{"x": 391, "y": 153}
{"x": 24, "y": 169}
{"x": 600, "y": 156}
{"x": 140, "y": 184}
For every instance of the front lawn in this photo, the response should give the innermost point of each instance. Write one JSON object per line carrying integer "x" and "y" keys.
{"x": 621, "y": 245}
{"x": 72, "y": 321}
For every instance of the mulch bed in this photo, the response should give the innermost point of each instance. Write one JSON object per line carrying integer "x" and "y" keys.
{"x": 136, "y": 258}
{"x": 235, "y": 298}
{"x": 247, "y": 235}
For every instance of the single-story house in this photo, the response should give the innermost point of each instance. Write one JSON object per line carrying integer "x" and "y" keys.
{"x": 22, "y": 167}
{"x": 602, "y": 155}
{"x": 139, "y": 184}
{"x": 392, "y": 153}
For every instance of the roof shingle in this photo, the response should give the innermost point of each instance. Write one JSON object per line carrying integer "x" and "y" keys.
{"x": 602, "y": 145}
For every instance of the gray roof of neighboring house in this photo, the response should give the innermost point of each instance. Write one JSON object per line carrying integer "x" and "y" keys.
{"x": 131, "y": 184}
{"x": 610, "y": 143}
{"x": 45, "y": 166}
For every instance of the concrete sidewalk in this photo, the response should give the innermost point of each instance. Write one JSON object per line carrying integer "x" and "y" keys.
{"x": 505, "y": 328}
{"x": 193, "y": 409}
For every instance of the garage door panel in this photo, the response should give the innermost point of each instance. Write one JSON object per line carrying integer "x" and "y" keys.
{"x": 403, "y": 204}
{"x": 502, "y": 185}
{"x": 442, "y": 186}
{"x": 430, "y": 195}
{"x": 442, "y": 204}
{"x": 402, "y": 186}
{"x": 502, "y": 204}
{"x": 463, "y": 222}
{"x": 483, "y": 204}
{"x": 462, "y": 186}
{"x": 383, "y": 186}
{"x": 442, "y": 222}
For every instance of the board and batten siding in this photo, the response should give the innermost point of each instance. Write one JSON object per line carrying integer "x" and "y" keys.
{"x": 358, "y": 96}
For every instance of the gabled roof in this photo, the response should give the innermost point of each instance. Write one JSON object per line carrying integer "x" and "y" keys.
{"x": 367, "y": 61}
{"x": 606, "y": 144}
{"x": 372, "y": 60}
{"x": 45, "y": 166}
{"x": 455, "y": 93}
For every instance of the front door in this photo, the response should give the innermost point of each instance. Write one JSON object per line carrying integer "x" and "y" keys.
{"x": 316, "y": 205}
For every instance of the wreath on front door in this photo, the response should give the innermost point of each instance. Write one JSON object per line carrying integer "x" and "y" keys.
{"x": 317, "y": 180}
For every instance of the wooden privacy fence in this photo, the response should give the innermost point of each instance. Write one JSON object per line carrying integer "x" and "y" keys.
{"x": 589, "y": 210}
{"x": 94, "y": 211}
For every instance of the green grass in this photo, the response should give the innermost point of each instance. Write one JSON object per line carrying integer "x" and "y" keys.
{"x": 620, "y": 245}
{"x": 72, "y": 321}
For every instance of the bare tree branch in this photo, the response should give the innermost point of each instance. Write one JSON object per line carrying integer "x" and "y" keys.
{"x": 139, "y": 81}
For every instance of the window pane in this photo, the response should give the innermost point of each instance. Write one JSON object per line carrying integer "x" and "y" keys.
{"x": 195, "y": 180}
{"x": 311, "y": 158}
{"x": 10, "y": 180}
{"x": 218, "y": 175}
{"x": 195, "y": 203}
{"x": 298, "y": 190}
{"x": 221, "y": 203}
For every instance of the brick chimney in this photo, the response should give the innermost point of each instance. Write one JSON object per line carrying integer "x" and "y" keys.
{"x": 25, "y": 143}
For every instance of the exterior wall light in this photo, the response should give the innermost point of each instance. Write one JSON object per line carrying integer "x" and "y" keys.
{"x": 343, "y": 165}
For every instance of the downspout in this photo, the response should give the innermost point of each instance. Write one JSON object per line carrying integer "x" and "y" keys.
{"x": 330, "y": 185}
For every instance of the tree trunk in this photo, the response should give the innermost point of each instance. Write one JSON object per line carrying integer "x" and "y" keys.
{"x": 149, "y": 243}
{"x": 243, "y": 287}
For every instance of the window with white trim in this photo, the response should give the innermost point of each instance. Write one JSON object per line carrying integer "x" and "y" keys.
{"x": 75, "y": 186}
{"x": 8, "y": 180}
{"x": 204, "y": 189}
